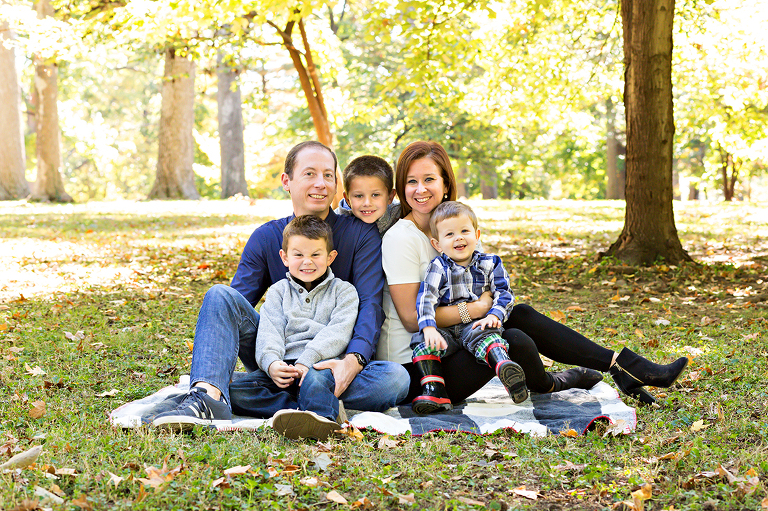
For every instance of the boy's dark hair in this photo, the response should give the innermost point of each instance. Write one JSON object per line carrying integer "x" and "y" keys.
{"x": 450, "y": 209}
{"x": 369, "y": 166}
{"x": 293, "y": 155}
{"x": 310, "y": 227}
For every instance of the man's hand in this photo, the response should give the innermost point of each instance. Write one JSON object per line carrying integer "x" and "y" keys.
{"x": 283, "y": 374}
{"x": 344, "y": 371}
{"x": 490, "y": 321}
{"x": 433, "y": 339}
{"x": 303, "y": 370}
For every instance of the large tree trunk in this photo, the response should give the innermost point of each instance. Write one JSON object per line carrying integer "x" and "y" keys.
{"x": 649, "y": 224}
{"x": 311, "y": 86}
{"x": 49, "y": 185}
{"x": 614, "y": 189}
{"x": 13, "y": 183}
{"x": 729, "y": 183}
{"x": 175, "y": 178}
{"x": 231, "y": 142}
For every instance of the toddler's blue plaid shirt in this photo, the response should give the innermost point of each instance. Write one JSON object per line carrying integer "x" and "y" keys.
{"x": 447, "y": 283}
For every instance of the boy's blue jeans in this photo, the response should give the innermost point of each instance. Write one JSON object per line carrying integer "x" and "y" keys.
{"x": 226, "y": 328}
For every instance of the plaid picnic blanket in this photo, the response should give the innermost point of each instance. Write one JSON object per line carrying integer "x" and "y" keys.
{"x": 488, "y": 410}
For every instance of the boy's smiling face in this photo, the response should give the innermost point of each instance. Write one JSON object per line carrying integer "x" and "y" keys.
{"x": 368, "y": 198}
{"x": 307, "y": 259}
{"x": 457, "y": 238}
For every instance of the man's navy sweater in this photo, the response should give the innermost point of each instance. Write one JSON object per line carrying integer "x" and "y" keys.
{"x": 358, "y": 262}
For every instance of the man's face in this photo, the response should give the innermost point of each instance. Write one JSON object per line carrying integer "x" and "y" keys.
{"x": 313, "y": 185}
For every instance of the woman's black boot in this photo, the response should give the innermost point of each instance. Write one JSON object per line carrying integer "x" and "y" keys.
{"x": 631, "y": 372}
{"x": 434, "y": 397}
{"x": 576, "y": 378}
{"x": 510, "y": 373}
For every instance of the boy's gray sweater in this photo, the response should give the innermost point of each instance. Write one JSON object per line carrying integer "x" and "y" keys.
{"x": 306, "y": 326}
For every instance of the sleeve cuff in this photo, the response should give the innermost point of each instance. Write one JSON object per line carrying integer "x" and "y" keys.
{"x": 426, "y": 322}
{"x": 266, "y": 361}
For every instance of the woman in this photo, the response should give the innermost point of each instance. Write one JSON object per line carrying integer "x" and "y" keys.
{"x": 423, "y": 179}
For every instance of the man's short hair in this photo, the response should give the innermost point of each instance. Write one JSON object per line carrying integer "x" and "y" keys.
{"x": 293, "y": 154}
{"x": 309, "y": 226}
{"x": 369, "y": 166}
{"x": 450, "y": 209}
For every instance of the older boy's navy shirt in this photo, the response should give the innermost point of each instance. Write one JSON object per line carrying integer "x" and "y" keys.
{"x": 358, "y": 262}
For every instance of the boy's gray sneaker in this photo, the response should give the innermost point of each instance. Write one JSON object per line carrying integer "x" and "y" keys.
{"x": 296, "y": 424}
{"x": 197, "y": 408}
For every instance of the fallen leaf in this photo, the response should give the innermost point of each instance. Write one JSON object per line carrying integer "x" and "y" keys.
{"x": 571, "y": 433}
{"x": 312, "y": 482}
{"x": 156, "y": 477}
{"x": 558, "y": 316}
{"x": 363, "y": 503}
{"x": 38, "y": 409}
{"x": 575, "y": 308}
{"x": 390, "y": 478}
{"x": 336, "y": 497}
{"x": 142, "y": 494}
{"x": 237, "y": 470}
{"x": 220, "y": 482}
{"x": 639, "y": 333}
{"x": 283, "y": 489}
{"x": 27, "y": 505}
{"x": 406, "y": 499}
{"x": 699, "y": 426}
{"x": 48, "y": 496}
{"x": 322, "y": 461}
{"x": 764, "y": 503}
{"x": 65, "y": 472}
{"x": 387, "y": 442}
{"x": 3, "y": 327}
{"x": 115, "y": 479}
{"x": 640, "y": 496}
{"x": 471, "y": 502}
{"x": 79, "y": 336}
{"x": 108, "y": 393}
{"x": 82, "y": 503}
{"x": 24, "y": 459}
{"x": 190, "y": 345}
{"x": 34, "y": 372}
{"x": 520, "y": 491}
{"x": 352, "y": 433}
{"x": 569, "y": 466}
{"x": 612, "y": 331}
{"x": 617, "y": 428}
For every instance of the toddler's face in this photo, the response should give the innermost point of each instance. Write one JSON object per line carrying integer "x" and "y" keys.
{"x": 307, "y": 259}
{"x": 456, "y": 238}
{"x": 368, "y": 197}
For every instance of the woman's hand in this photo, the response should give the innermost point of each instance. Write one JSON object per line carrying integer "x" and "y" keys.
{"x": 480, "y": 307}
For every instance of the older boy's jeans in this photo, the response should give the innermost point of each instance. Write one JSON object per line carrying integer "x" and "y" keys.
{"x": 226, "y": 328}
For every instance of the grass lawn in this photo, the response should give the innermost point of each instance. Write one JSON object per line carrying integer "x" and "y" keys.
{"x": 98, "y": 305}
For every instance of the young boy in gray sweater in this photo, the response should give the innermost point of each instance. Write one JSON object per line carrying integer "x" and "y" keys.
{"x": 306, "y": 318}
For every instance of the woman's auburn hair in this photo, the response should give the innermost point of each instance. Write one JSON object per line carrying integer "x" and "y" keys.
{"x": 416, "y": 151}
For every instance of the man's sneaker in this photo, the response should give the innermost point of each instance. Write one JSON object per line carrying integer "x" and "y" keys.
{"x": 296, "y": 424}
{"x": 197, "y": 408}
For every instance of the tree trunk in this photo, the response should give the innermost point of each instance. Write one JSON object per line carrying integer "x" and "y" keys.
{"x": 649, "y": 225}
{"x": 175, "y": 178}
{"x": 312, "y": 88}
{"x": 612, "y": 191}
{"x": 488, "y": 185}
{"x": 49, "y": 185}
{"x": 231, "y": 144}
{"x": 13, "y": 183}
{"x": 729, "y": 182}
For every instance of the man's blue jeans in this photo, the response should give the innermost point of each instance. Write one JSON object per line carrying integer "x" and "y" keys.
{"x": 226, "y": 328}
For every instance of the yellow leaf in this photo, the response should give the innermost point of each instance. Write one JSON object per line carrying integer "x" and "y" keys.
{"x": 575, "y": 308}
{"x": 558, "y": 316}
{"x": 351, "y": 432}
{"x": 38, "y": 409}
{"x": 363, "y": 503}
{"x": 406, "y": 499}
{"x": 612, "y": 331}
{"x": 190, "y": 345}
{"x": 639, "y": 333}
{"x": 216, "y": 482}
{"x": 698, "y": 426}
{"x": 640, "y": 496}
{"x": 3, "y": 327}
{"x": 108, "y": 393}
{"x": 571, "y": 433}
{"x": 336, "y": 497}
{"x": 34, "y": 372}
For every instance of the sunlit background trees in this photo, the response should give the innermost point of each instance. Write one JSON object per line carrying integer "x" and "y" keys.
{"x": 135, "y": 99}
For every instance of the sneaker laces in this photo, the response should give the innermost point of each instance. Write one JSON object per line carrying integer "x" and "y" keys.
{"x": 195, "y": 401}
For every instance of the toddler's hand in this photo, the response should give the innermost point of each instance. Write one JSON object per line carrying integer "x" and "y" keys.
{"x": 303, "y": 370}
{"x": 282, "y": 374}
{"x": 433, "y": 339}
{"x": 490, "y": 321}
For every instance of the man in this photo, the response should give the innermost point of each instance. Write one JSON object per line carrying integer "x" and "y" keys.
{"x": 227, "y": 323}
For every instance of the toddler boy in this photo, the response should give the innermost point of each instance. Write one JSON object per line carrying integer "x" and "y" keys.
{"x": 459, "y": 275}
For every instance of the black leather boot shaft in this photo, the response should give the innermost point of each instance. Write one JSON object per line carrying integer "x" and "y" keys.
{"x": 576, "y": 378}
{"x": 434, "y": 397}
{"x": 632, "y": 372}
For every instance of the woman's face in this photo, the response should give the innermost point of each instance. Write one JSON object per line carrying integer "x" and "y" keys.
{"x": 424, "y": 186}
